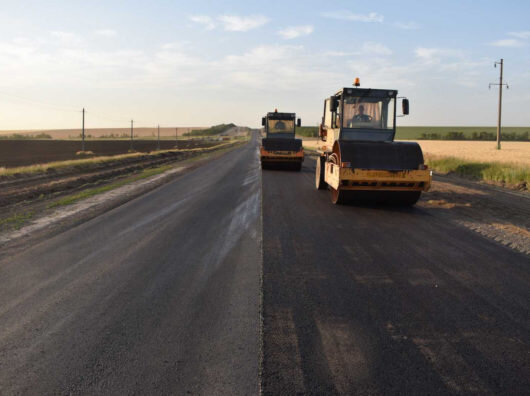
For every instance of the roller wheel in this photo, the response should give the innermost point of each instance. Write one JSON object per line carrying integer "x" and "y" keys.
{"x": 298, "y": 167}
{"x": 408, "y": 198}
{"x": 338, "y": 197}
{"x": 264, "y": 165}
{"x": 320, "y": 184}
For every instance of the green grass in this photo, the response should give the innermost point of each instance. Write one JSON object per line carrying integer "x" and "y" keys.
{"x": 16, "y": 221}
{"x": 19, "y": 136}
{"x": 307, "y": 131}
{"x": 415, "y": 132}
{"x": 214, "y": 130}
{"x": 99, "y": 190}
{"x": 488, "y": 171}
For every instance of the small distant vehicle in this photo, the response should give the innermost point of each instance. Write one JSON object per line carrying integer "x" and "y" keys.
{"x": 359, "y": 160}
{"x": 280, "y": 149}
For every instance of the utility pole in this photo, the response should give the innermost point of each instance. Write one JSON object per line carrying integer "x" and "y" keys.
{"x": 131, "y": 148}
{"x": 176, "y": 137}
{"x": 83, "y": 133}
{"x": 158, "y": 141}
{"x": 500, "y": 84}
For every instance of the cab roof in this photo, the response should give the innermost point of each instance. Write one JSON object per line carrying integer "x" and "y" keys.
{"x": 374, "y": 93}
{"x": 281, "y": 116}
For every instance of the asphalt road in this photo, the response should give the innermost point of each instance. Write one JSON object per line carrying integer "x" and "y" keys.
{"x": 375, "y": 300}
{"x": 158, "y": 296}
{"x": 162, "y": 296}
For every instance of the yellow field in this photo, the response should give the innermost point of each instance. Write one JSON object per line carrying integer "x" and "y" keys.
{"x": 514, "y": 152}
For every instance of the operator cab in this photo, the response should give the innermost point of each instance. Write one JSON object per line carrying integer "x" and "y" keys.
{"x": 363, "y": 114}
{"x": 280, "y": 125}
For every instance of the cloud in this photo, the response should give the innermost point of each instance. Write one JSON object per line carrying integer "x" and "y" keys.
{"x": 435, "y": 55}
{"x": 204, "y": 20}
{"x": 350, "y": 16}
{"x": 234, "y": 23}
{"x": 230, "y": 23}
{"x": 507, "y": 43}
{"x": 292, "y": 32}
{"x": 66, "y": 38}
{"x": 406, "y": 25}
{"x": 522, "y": 35}
{"x": 376, "y": 48}
{"x": 105, "y": 32}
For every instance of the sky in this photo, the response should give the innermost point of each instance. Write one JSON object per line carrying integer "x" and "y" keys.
{"x": 199, "y": 63}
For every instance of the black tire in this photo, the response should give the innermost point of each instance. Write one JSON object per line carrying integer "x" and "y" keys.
{"x": 298, "y": 166}
{"x": 320, "y": 184}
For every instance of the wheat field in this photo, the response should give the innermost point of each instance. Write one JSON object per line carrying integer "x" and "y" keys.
{"x": 511, "y": 152}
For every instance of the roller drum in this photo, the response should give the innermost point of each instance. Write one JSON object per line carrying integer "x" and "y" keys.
{"x": 388, "y": 156}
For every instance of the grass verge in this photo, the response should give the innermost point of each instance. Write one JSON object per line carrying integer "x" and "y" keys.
{"x": 16, "y": 221}
{"x": 98, "y": 190}
{"x": 515, "y": 174}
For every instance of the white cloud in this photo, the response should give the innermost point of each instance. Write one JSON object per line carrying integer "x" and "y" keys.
{"x": 337, "y": 53}
{"x": 66, "y": 38}
{"x": 175, "y": 45}
{"x": 507, "y": 43}
{"x": 376, "y": 48}
{"x": 231, "y": 23}
{"x": 292, "y": 32}
{"x": 435, "y": 55}
{"x": 522, "y": 35}
{"x": 204, "y": 20}
{"x": 350, "y": 16}
{"x": 105, "y": 32}
{"x": 234, "y": 23}
{"x": 406, "y": 25}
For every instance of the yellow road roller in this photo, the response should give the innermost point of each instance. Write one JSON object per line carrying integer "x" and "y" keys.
{"x": 280, "y": 149}
{"x": 359, "y": 161}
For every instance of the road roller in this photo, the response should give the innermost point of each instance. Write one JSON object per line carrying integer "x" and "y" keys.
{"x": 280, "y": 149}
{"x": 359, "y": 161}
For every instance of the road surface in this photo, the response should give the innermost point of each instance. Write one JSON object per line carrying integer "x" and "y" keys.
{"x": 375, "y": 300}
{"x": 158, "y": 296}
{"x": 163, "y": 296}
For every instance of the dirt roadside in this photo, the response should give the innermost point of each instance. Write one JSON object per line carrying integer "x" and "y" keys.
{"x": 46, "y": 220}
{"x": 494, "y": 212}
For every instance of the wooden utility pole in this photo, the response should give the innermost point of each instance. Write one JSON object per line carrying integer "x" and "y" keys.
{"x": 131, "y": 148}
{"x": 176, "y": 137}
{"x": 500, "y": 84}
{"x": 83, "y": 132}
{"x": 158, "y": 141}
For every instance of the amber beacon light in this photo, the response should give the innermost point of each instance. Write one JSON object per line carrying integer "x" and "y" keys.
{"x": 357, "y": 82}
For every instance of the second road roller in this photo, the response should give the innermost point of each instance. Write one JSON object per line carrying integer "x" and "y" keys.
{"x": 280, "y": 149}
{"x": 359, "y": 161}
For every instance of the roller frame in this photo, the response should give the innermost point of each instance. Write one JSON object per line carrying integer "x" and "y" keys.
{"x": 281, "y": 156}
{"x": 376, "y": 180}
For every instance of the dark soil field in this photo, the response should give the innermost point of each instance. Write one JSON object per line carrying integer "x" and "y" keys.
{"x": 28, "y": 152}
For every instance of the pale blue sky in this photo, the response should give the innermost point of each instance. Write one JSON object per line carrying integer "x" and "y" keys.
{"x": 201, "y": 63}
